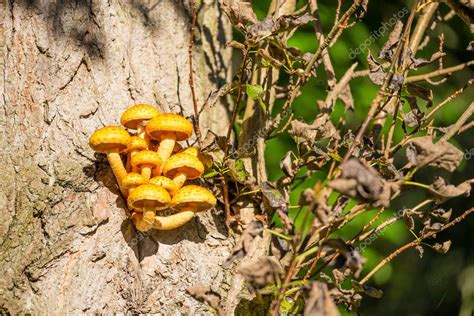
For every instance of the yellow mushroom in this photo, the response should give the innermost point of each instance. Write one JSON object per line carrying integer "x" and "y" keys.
{"x": 112, "y": 140}
{"x": 148, "y": 198}
{"x": 182, "y": 166}
{"x": 146, "y": 161}
{"x": 132, "y": 180}
{"x": 137, "y": 144}
{"x": 187, "y": 201}
{"x": 139, "y": 223}
{"x": 136, "y": 117}
{"x": 168, "y": 128}
{"x": 165, "y": 183}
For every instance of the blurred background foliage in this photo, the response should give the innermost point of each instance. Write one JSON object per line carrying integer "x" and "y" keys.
{"x": 434, "y": 284}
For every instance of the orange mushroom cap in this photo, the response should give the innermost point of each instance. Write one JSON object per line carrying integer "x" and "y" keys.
{"x": 137, "y": 114}
{"x": 166, "y": 183}
{"x": 110, "y": 139}
{"x": 191, "y": 151}
{"x": 195, "y": 197}
{"x": 150, "y": 193}
{"x": 133, "y": 180}
{"x": 182, "y": 162}
{"x": 137, "y": 144}
{"x": 146, "y": 158}
{"x": 169, "y": 123}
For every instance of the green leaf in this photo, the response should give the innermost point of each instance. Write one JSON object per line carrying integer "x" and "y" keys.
{"x": 210, "y": 173}
{"x": 254, "y": 91}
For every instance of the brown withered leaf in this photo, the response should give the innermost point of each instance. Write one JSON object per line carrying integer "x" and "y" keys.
{"x": 307, "y": 197}
{"x": 360, "y": 181}
{"x": 443, "y": 191}
{"x": 388, "y": 50}
{"x": 377, "y": 74}
{"x": 261, "y": 273}
{"x": 420, "y": 62}
{"x": 441, "y": 215}
{"x": 442, "y": 248}
{"x": 367, "y": 290}
{"x": 286, "y": 165}
{"x": 206, "y": 295}
{"x": 279, "y": 246}
{"x": 420, "y": 250}
{"x": 319, "y": 302}
{"x": 348, "y": 257}
{"x": 321, "y": 128}
{"x": 240, "y": 13}
{"x": 244, "y": 245}
{"x": 275, "y": 197}
{"x": 422, "y": 93}
{"x": 281, "y": 24}
{"x": 213, "y": 142}
{"x": 422, "y": 152}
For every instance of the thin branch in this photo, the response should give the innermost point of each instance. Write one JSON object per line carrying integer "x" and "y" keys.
{"x": 191, "y": 72}
{"x": 457, "y": 126}
{"x": 415, "y": 243}
{"x": 439, "y": 72}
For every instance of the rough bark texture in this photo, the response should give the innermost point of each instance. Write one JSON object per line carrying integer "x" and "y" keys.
{"x": 71, "y": 67}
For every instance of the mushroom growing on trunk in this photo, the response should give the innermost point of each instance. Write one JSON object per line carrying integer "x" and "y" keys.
{"x": 148, "y": 198}
{"x": 182, "y": 166}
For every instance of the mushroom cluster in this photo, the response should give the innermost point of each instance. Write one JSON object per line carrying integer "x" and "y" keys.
{"x": 156, "y": 168}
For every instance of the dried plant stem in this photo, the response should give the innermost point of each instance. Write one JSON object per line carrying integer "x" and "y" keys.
{"x": 460, "y": 122}
{"x": 191, "y": 72}
{"x": 422, "y": 25}
{"x": 415, "y": 243}
{"x": 439, "y": 72}
{"x": 466, "y": 127}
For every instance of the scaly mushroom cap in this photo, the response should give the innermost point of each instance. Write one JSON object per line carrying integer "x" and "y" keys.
{"x": 169, "y": 123}
{"x": 183, "y": 162}
{"x": 193, "y": 196}
{"x": 137, "y": 144}
{"x": 165, "y": 183}
{"x": 110, "y": 139}
{"x": 191, "y": 151}
{"x": 146, "y": 158}
{"x": 133, "y": 180}
{"x": 150, "y": 193}
{"x": 136, "y": 114}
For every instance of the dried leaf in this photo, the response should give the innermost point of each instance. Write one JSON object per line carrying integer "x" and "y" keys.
{"x": 441, "y": 215}
{"x": 442, "y": 248}
{"x": 279, "y": 246}
{"x": 420, "y": 250}
{"x": 367, "y": 290}
{"x": 213, "y": 142}
{"x": 362, "y": 182}
{"x": 236, "y": 45}
{"x": 240, "y": 13}
{"x": 244, "y": 245}
{"x": 281, "y": 24}
{"x": 443, "y": 191}
{"x": 276, "y": 199}
{"x": 348, "y": 256}
{"x": 321, "y": 128}
{"x": 237, "y": 170}
{"x": 409, "y": 221}
{"x": 320, "y": 302}
{"x": 388, "y": 50}
{"x": 362, "y": 9}
{"x": 470, "y": 46}
{"x": 307, "y": 197}
{"x": 206, "y": 295}
{"x": 261, "y": 273}
{"x": 422, "y": 93}
{"x": 286, "y": 165}
{"x": 377, "y": 74}
{"x": 422, "y": 152}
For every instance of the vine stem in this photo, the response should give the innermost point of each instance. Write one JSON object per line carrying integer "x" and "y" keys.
{"x": 415, "y": 243}
{"x": 191, "y": 72}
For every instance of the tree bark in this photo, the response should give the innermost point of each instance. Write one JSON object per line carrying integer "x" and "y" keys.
{"x": 70, "y": 67}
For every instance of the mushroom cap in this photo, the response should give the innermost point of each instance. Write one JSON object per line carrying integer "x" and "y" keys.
{"x": 193, "y": 196}
{"x": 110, "y": 139}
{"x": 146, "y": 158}
{"x": 165, "y": 183}
{"x": 136, "y": 114}
{"x": 151, "y": 193}
{"x": 137, "y": 144}
{"x": 169, "y": 123}
{"x": 191, "y": 151}
{"x": 133, "y": 180}
{"x": 183, "y": 162}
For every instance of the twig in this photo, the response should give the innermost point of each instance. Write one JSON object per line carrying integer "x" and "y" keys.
{"x": 439, "y": 72}
{"x": 466, "y": 127}
{"x": 191, "y": 72}
{"x": 422, "y": 25}
{"x": 414, "y": 243}
{"x": 457, "y": 126}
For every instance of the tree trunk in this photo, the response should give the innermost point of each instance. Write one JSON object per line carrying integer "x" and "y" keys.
{"x": 69, "y": 68}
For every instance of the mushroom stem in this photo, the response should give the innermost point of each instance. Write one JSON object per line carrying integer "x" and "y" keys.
{"x": 165, "y": 149}
{"x": 140, "y": 224}
{"x": 173, "y": 221}
{"x": 118, "y": 169}
{"x": 146, "y": 173}
{"x": 149, "y": 212}
{"x": 179, "y": 179}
